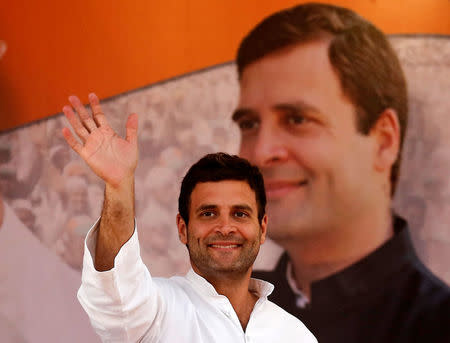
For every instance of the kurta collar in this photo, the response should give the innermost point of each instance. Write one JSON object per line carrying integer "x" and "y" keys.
{"x": 364, "y": 278}
{"x": 261, "y": 288}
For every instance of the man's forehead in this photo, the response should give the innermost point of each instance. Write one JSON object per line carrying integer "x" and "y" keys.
{"x": 320, "y": 43}
{"x": 221, "y": 192}
{"x": 214, "y": 206}
{"x": 212, "y": 186}
{"x": 301, "y": 76}
{"x": 285, "y": 62}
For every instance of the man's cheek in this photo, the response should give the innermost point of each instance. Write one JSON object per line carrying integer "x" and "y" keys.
{"x": 246, "y": 150}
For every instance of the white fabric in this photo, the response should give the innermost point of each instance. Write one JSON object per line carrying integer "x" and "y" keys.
{"x": 302, "y": 300}
{"x": 125, "y": 304}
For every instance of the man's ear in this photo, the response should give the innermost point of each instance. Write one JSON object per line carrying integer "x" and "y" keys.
{"x": 182, "y": 229}
{"x": 386, "y": 132}
{"x": 263, "y": 229}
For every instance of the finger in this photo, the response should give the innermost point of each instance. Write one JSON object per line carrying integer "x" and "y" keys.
{"x": 99, "y": 116}
{"x": 86, "y": 119}
{"x": 132, "y": 127}
{"x": 71, "y": 140}
{"x": 75, "y": 122}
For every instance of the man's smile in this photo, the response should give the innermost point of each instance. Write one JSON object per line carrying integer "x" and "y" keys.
{"x": 224, "y": 245}
{"x": 277, "y": 189}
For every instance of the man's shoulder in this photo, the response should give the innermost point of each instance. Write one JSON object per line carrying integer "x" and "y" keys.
{"x": 428, "y": 292}
{"x": 281, "y": 314}
{"x": 429, "y": 307}
{"x": 416, "y": 302}
{"x": 283, "y": 320}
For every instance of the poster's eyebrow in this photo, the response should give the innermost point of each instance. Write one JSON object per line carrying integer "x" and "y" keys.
{"x": 297, "y": 105}
{"x": 240, "y": 112}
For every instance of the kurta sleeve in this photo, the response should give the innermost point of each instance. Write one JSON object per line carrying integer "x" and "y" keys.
{"x": 123, "y": 303}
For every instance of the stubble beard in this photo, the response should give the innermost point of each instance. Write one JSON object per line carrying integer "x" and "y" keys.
{"x": 211, "y": 268}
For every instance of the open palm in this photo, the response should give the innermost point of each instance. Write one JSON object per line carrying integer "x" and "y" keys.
{"x": 111, "y": 157}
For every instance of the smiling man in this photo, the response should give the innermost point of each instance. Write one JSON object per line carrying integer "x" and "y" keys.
{"x": 222, "y": 222}
{"x": 323, "y": 113}
{"x": 224, "y": 253}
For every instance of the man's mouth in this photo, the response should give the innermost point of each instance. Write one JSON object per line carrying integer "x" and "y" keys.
{"x": 278, "y": 189}
{"x": 224, "y": 245}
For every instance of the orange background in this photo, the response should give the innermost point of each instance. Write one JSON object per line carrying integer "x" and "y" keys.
{"x": 56, "y": 49}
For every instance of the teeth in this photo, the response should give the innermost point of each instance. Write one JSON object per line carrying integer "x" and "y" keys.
{"x": 224, "y": 246}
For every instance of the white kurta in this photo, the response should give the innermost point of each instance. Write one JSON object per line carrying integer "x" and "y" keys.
{"x": 125, "y": 304}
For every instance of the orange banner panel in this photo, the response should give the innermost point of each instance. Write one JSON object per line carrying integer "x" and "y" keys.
{"x": 55, "y": 49}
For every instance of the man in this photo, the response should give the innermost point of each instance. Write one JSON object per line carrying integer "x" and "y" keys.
{"x": 221, "y": 220}
{"x": 322, "y": 113}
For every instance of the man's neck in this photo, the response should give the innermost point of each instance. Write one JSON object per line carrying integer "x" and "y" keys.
{"x": 238, "y": 293}
{"x": 319, "y": 256}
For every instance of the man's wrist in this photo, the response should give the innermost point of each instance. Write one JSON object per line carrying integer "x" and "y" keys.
{"x": 124, "y": 186}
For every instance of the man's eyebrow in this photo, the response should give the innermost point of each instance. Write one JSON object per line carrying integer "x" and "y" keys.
{"x": 205, "y": 207}
{"x": 243, "y": 207}
{"x": 299, "y": 106}
{"x": 241, "y": 112}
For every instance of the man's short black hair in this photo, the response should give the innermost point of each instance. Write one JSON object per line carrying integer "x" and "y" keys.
{"x": 220, "y": 167}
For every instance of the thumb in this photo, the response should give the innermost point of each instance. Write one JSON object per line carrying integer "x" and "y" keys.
{"x": 132, "y": 128}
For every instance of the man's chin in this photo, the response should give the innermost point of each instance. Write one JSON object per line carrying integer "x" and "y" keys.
{"x": 226, "y": 267}
{"x": 287, "y": 228}
{"x": 224, "y": 270}
{"x": 233, "y": 272}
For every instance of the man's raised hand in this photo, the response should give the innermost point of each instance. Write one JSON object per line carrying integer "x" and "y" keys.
{"x": 111, "y": 157}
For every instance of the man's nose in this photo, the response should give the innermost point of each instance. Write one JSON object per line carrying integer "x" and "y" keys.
{"x": 269, "y": 147}
{"x": 225, "y": 226}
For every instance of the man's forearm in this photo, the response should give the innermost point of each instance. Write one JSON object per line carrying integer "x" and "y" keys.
{"x": 114, "y": 160}
{"x": 116, "y": 223}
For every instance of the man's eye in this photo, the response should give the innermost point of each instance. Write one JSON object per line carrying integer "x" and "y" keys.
{"x": 207, "y": 214}
{"x": 240, "y": 214}
{"x": 295, "y": 119}
{"x": 247, "y": 124}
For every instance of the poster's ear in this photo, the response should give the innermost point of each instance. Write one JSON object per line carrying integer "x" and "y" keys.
{"x": 182, "y": 229}
{"x": 386, "y": 132}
